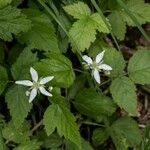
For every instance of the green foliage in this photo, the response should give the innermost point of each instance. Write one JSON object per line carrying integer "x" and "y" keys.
{"x": 12, "y": 21}
{"x": 123, "y": 92}
{"x": 3, "y": 3}
{"x": 42, "y": 34}
{"x": 58, "y": 116}
{"x": 125, "y": 133}
{"x": 59, "y": 66}
{"x": 20, "y": 69}
{"x": 3, "y": 79}
{"x": 18, "y": 104}
{"x": 139, "y": 67}
{"x": 93, "y": 104}
{"x": 75, "y": 42}
{"x": 17, "y": 135}
{"x": 99, "y": 136}
{"x": 84, "y": 28}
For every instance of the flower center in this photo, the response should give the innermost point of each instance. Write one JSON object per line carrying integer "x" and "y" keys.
{"x": 94, "y": 65}
{"x": 36, "y": 85}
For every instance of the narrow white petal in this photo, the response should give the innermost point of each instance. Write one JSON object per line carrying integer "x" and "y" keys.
{"x": 44, "y": 92}
{"x": 96, "y": 76}
{"x": 99, "y": 57}
{"x": 34, "y": 74}
{"x": 46, "y": 79}
{"x": 24, "y": 82}
{"x": 105, "y": 67}
{"x": 87, "y": 59}
{"x": 32, "y": 95}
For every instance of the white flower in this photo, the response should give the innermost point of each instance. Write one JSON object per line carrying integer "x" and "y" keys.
{"x": 37, "y": 85}
{"x": 97, "y": 65}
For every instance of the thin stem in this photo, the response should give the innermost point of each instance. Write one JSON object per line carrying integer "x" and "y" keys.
{"x": 36, "y": 127}
{"x": 129, "y": 13}
{"x": 93, "y": 123}
{"x": 106, "y": 22}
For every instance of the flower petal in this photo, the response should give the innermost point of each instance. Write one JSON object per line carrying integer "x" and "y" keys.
{"x": 46, "y": 79}
{"x": 96, "y": 76}
{"x": 24, "y": 82}
{"x": 44, "y": 92}
{"x": 99, "y": 57}
{"x": 105, "y": 67}
{"x": 32, "y": 95}
{"x": 87, "y": 59}
{"x": 34, "y": 74}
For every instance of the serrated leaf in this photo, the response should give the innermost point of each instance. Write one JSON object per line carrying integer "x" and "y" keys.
{"x": 117, "y": 24}
{"x": 139, "y": 67}
{"x": 85, "y": 28}
{"x": 139, "y": 9}
{"x": 94, "y": 104}
{"x": 3, "y": 3}
{"x": 99, "y": 136}
{"x": 78, "y": 10}
{"x": 42, "y": 34}
{"x": 59, "y": 66}
{"x": 17, "y": 135}
{"x": 18, "y": 104}
{"x": 125, "y": 133}
{"x": 123, "y": 93}
{"x": 29, "y": 145}
{"x": 3, "y": 79}
{"x": 59, "y": 117}
{"x": 12, "y": 21}
{"x": 20, "y": 69}
{"x": 85, "y": 145}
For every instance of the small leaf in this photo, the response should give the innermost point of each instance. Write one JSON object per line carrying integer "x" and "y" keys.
{"x": 20, "y": 69}
{"x": 93, "y": 104}
{"x": 17, "y": 135}
{"x": 99, "y": 136}
{"x": 125, "y": 133}
{"x": 78, "y": 10}
{"x": 58, "y": 66}
{"x": 18, "y": 104}
{"x": 42, "y": 34}
{"x": 118, "y": 25}
{"x": 123, "y": 93}
{"x": 29, "y": 145}
{"x": 12, "y": 21}
{"x": 59, "y": 117}
{"x": 139, "y": 67}
{"x": 3, "y": 79}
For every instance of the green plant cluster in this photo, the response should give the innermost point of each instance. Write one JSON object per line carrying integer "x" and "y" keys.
{"x": 52, "y": 36}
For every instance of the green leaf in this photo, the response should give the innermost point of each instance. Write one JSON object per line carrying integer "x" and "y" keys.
{"x": 139, "y": 9}
{"x": 117, "y": 24}
{"x": 17, "y": 135}
{"x": 18, "y": 104}
{"x": 115, "y": 59}
{"x": 99, "y": 136}
{"x": 12, "y": 21}
{"x": 84, "y": 28}
{"x": 29, "y": 145}
{"x": 139, "y": 66}
{"x": 3, "y": 79}
{"x": 59, "y": 117}
{"x": 85, "y": 145}
{"x": 125, "y": 133}
{"x": 20, "y": 69}
{"x": 42, "y": 34}
{"x": 123, "y": 93}
{"x": 2, "y": 145}
{"x": 94, "y": 104}
{"x": 3, "y": 3}
{"x": 59, "y": 66}
{"x": 78, "y": 10}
